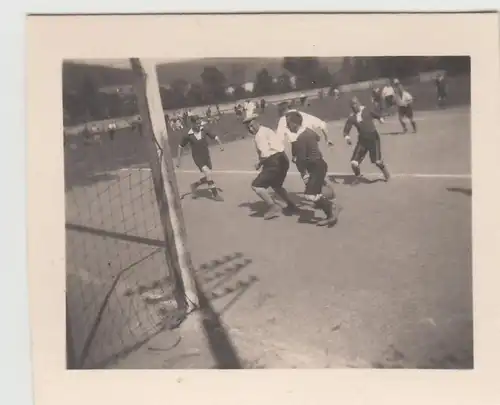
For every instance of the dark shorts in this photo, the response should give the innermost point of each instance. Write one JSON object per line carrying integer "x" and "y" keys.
{"x": 317, "y": 171}
{"x": 441, "y": 94}
{"x": 406, "y": 111}
{"x": 274, "y": 171}
{"x": 367, "y": 145}
{"x": 202, "y": 159}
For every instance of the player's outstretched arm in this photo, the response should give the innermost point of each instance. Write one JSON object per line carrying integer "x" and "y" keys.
{"x": 347, "y": 131}
{"x": 216, "y": 138}
{"x": 219, "y": 142}
{"x": 328, "y": 141}
{"x": 377, "y": 116}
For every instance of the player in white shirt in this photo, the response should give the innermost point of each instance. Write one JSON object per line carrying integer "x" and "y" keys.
{"x": 404, "y": 101}
{"x": 388, "y": 98}
{"x": 309, "y": 121}
{"x": 274, "y": 165}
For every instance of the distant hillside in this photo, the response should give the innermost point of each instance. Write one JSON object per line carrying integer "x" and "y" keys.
{"x": 74, "y": 74}
{"x": 236, "y": 70}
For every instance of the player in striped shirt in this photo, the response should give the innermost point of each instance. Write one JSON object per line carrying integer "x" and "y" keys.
{"x": 196, "y": 138}
{"x": 368, "y": 138}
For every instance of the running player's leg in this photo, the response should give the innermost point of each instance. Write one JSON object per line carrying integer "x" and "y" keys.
{"x": 260, "y": 186}
{"x": 203, "y": 180}
{"x": 439, "y": 98}
{"x": 376, "y": 157}
{"x": 207, "y": 171}
{"x": 358, "y": 155}
{"x": 442, "y": 98}
{"x": 401, "y": 116}
{"x": 283, "y": 164}
{"x": 409, "y": 114}
{"x": 382, "y": 106}
{"x": 313, "y": 192}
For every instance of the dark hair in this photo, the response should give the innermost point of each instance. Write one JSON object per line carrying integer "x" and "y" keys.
{"x": 295, "y": 117}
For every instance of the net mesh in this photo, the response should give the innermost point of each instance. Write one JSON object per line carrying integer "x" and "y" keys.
{"x": 119, "y": 293}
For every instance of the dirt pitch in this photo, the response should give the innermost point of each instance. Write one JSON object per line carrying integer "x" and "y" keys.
{"x": 390, "y": 286}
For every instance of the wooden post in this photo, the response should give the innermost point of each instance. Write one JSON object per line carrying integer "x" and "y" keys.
{"x": 165, "y": 183}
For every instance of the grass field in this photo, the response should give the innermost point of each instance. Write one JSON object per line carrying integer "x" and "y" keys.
{"x": 390, "y": 286}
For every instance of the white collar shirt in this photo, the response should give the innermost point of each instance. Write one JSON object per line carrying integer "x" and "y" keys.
{"x": 268, "y": 142}
{"x": 308, "y": 121}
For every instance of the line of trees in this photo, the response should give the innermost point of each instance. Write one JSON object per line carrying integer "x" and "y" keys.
{"x": 298, "y": 74}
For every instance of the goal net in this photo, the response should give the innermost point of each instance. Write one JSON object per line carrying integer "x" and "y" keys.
{"x": 119, "y": 292}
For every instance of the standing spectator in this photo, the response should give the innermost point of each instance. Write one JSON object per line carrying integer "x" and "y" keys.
{"x": 441, "y": 89}
{"x": 303, "y": 99}
{"x": 112, "y": 127}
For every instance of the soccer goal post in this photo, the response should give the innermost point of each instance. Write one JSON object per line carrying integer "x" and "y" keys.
{"x": 129, "y": 274}
{"x": 163, "y": 174}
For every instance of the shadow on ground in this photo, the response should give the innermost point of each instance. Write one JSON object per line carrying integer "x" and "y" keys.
{"x": 460, "y": 190}
{"x": 220, "y": 282}
{"x": 217, "y": 280}
{"x": 351, "y": 180}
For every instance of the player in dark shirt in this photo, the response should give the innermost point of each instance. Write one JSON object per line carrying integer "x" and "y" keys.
{"x": 307, "y": 156}
{"x": 196, "y": 138}
{"x": 377, "y": 99}
{"x": 441, "y": 90}
{"x": 368, "y": 138}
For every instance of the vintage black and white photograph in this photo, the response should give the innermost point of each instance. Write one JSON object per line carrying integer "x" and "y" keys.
{"x": 268, "y": 213}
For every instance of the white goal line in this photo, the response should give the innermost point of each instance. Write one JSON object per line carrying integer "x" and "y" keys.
{"x": 334, "y": 174}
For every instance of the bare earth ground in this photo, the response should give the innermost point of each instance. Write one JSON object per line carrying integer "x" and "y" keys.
{"x": 390, "y": 286}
